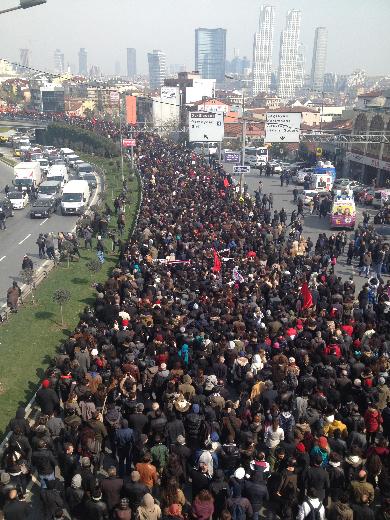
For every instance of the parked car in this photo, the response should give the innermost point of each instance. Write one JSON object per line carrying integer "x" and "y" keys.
{"x": 91, "y": 179}
{"x": 276, "y": 166}
{"x": 18, "y": 199}
{"x": 43, "y": 208}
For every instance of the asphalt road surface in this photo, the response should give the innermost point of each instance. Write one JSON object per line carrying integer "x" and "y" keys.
{"x": 20, "y": 237}
{"x": 313, "y": 225}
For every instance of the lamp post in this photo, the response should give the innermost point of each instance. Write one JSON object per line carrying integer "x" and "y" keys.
{"x": 24, "y": 4}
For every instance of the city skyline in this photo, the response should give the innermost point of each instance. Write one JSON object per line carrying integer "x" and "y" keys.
{"x": 359, "y": 53}
{"x": 210, "y": 53}
{"x": 318, "y": 65}
{"x": 288, "y": 55}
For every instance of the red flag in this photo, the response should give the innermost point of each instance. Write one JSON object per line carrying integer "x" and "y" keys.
{"x": 226, "y": 183}
{"x": 217, "y": 262}
{"x": 307, "y": 297}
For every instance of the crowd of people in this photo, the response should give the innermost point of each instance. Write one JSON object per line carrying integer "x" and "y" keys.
{"x": 224, "y": 371}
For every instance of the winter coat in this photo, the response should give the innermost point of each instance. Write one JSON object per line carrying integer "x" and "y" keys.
{"x": 340, "y": 511}
{"x": 372, "y": 420}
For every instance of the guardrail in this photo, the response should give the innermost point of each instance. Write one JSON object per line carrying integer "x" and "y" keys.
{"x": 7, "y": 160}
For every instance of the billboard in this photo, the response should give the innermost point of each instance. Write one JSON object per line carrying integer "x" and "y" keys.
{"x": 131, "y": 110}
{"x": 170, "y": 95}
{"x": 282, "y": 127}
{"x": 206, "y": 127}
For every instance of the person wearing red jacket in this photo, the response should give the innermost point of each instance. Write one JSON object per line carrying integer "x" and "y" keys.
{"x": 372, "y": 421}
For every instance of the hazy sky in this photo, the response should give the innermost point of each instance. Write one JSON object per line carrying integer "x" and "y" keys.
{"x": 358, "y": 30}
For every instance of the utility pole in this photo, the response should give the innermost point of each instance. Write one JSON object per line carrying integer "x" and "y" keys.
{"x": 121, "y": 134}
{"x": 242, "y": 175}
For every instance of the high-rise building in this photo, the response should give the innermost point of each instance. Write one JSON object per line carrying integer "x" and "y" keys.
{"x": 59, "y": 62}
{"x": 131, "y": 63}
{"x": 210, "y": 53}
{"x": 83, "y": 62}
{"x": 117, "y": 68}
{"x": 157, "y": 68}
{"x": 24, "y": 59}
{"x": 262, "y": 50}
{"x": 300, "y": 77}
{"x": 318, "y": 63}
{"x": 288, "y": 55}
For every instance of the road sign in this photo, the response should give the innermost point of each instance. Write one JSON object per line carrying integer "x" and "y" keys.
{"x": 128, "y": 143}
{"x": 241, "y": 169}
{"x": 232, "y": 157}
{"x": 282, "y": 127}
{"x": 206, "y": 127}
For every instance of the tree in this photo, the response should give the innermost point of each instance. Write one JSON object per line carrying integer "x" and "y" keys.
{"x": 67, "y": 250}
{"x": 27, "y": 277}
{"x": 61, "y": 297}
{"x": 93, "y": 266}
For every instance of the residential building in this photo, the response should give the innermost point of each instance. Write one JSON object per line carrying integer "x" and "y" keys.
{"x": 370, "y": 162}
{"x": 157, "y": 68}
{"x": 131, "y": 63}
{"x": 288, "y": 55}
{"x": 318, "y": 63}
{"x": 48, "y": 98}
{"x": 210, "y": 53}
{"x": 83, "y": 62}
{"x": 262, "y": 50}
{"x": 59, "y": 62}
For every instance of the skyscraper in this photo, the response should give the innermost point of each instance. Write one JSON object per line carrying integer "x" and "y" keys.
{"x": 131, "y": 63}
{"x": 210, "y": 53}
{"x": 157, "y": 68}
{"x": 83, "y": 62}
{"x": 301, "y": 62}
{"x": 24, "y": 60}
{"x": 59, "y": 62}
{"x": 262, "y": 50}
{"x": 318, "y": 63}
{"x": 288, "y": 55}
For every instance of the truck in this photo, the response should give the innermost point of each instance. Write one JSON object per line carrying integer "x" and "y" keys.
{"x": 27, "y": 174}
{"x": 75, "y": 197}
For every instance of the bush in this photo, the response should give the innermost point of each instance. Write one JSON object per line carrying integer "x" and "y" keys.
{"x": 59, "y": 134}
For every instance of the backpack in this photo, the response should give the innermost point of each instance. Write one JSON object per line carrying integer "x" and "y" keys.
{"x": 314, "y": 513}
{"x": 237, "y": 511}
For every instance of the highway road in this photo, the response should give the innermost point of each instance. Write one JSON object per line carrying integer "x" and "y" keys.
{"x": 21, "y": 234}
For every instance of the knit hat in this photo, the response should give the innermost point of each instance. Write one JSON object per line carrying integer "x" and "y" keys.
{"x": 94, "y": 352}
{"x": 300, "y": 447}
{"x": 135, "y": 476}
{"x": 45, "y": 383}
{"x": 195, "y": 408}
{"x": 357, "y": 382}
{"x": 381, "y": 380}
{"x": 322, "y": 443}
{"x": 76, "y": 481}
{"x": 180, "y": 439}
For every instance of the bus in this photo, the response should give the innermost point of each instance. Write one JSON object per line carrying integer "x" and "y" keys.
{"x": 256, "y": 156}
{"x": 343, "y": 212}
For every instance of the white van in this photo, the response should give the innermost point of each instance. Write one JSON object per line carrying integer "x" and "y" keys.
{"x": 65, "y": 152}
{"x": 75, "y": 198}
{"x": 71, "y": 159}
{"x": 58, "y": 172}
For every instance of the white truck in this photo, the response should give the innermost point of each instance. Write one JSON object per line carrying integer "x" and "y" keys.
{"x": 27, "y": 174}
{"x": 75, "y": 198}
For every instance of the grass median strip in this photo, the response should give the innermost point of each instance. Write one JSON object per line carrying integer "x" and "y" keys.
{"x": 29, "y": 340}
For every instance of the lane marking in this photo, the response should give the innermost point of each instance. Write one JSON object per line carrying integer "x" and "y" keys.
{"x": 28, "y": 236}
{"x": 2, "y": 258}
{"x": 43, "y": 221}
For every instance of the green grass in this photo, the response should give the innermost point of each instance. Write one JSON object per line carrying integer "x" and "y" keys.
{"x": 30, "y": 338}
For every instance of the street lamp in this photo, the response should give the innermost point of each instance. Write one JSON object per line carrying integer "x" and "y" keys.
{"x": 24, "y": 4}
